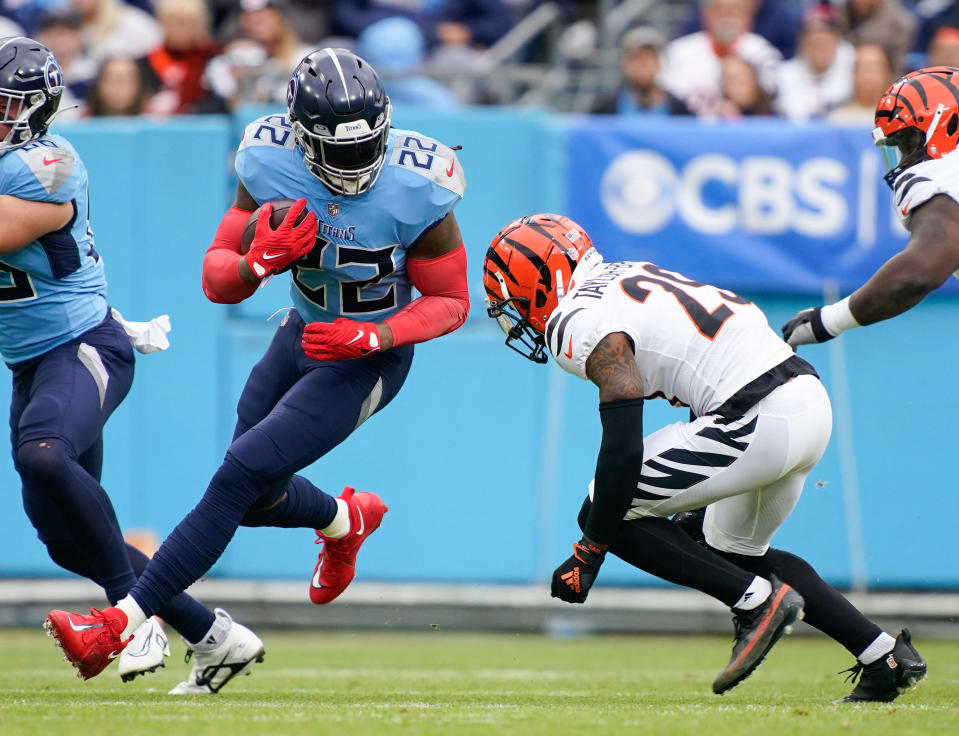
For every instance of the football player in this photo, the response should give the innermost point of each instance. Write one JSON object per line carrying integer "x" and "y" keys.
{"x": 70, "y": 355}
{"x": 760, "y": 422}
{"x": 380, "y": 222}
{"x": 917, "y": 128}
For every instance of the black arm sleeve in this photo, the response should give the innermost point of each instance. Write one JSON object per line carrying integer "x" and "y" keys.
{"x": 618, "y": 467}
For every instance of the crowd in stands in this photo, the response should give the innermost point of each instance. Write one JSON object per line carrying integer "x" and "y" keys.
{"x": 799, "y": 59}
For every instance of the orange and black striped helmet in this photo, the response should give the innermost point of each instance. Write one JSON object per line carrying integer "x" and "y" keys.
{"x": 528, "y": 269}
{"x": 918, "y": 118}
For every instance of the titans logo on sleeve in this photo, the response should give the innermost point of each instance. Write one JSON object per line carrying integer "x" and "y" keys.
{"x": 357, "y": 269}
{"x": 54, "y": 289}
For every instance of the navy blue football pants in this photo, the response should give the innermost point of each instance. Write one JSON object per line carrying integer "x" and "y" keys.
{"x": 293, "y": 410}
{"x": 61, "y": 401}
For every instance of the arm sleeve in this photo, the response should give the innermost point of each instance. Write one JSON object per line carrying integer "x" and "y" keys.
{"x": 443, "y": 305}
{"x": 221, "y": 280}
{"x": 618, "y": 467}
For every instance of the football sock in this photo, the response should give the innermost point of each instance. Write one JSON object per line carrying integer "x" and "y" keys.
{"x": 826, "y": 609}
{"x": 755, "y": 595}
{"x": 301, "y": 505}
{"x": 200, "y": 538}
{"x": 340, "y": 526}
{"x": 134, "y": 614}
{"x": 190, "y": 618}
{"x": 881, "y": 646}
{"x": 54, "y": 479}
{"x": 214, "y": 636}
{"x": 663, "y": 549}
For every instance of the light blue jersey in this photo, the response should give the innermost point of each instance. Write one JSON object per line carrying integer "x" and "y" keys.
{"x": 54, "y": 289}
{"x": 357, "y": 269}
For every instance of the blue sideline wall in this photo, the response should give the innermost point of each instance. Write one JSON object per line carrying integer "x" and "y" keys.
{"x": 483, "y": 457}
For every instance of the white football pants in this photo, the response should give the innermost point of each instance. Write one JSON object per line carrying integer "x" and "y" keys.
{"x": 749, "y": 472}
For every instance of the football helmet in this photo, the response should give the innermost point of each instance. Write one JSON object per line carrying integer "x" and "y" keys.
{"x": 340, "y": 116}
{"x": 918, "y": 119}
{"x": 529, "y": 267}
{"x": 31, "y": 86}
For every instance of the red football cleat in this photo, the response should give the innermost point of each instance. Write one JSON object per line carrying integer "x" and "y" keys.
{"x": 336, "y": 565}
{"x": 91, "y": 642}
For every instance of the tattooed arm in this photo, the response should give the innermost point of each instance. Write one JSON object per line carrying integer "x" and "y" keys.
{"x": 612, "y": 367}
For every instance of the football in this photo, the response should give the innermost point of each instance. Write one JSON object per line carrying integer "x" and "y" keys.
{"x": 280, "y": 208}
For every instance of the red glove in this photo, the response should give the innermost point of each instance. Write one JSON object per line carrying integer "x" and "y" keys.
{"x": 273, "y": 250}
{"x": 340, "y": 340}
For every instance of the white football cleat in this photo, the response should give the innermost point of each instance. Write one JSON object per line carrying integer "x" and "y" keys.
{"x": 150, "y": 646}
{"x": 215, "y": 668}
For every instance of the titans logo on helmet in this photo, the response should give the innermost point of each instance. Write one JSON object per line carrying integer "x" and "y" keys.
{"x": 53, "y": 76}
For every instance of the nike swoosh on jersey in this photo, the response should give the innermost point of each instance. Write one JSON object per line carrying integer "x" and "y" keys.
{"x": 51, "y": 161}
{"x": 82, "y": 627}
{"x": 569, "y": 350}
{"x": 359, "y": 334}
{"x": 449, "y": 171}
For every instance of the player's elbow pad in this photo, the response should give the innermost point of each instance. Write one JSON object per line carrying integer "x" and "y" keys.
{"x": 444, "y": 304}
{"x": 618, "y": 467}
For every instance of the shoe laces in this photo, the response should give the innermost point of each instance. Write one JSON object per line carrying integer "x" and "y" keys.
{"x": 744, "y": 621}
{"x": 111, "y": 627}
{"x": 855, "y": 672}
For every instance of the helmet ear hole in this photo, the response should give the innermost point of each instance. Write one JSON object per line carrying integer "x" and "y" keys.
{"x": 952, "y": 125}
{"x": 540, "y": 298}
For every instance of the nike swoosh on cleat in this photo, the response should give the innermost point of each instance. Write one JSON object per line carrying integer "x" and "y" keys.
{"x": 360, "y": 532}
{"x": 113, "y": 655}
{"x": 82, "y": 627}
{"x": 316, "y": 577}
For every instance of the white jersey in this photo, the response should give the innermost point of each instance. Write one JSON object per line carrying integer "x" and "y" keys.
{"x": 919, "y": 183}
{"x": 695, "y": 344}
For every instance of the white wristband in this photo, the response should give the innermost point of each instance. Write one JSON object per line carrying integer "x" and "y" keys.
{"x": 837, "y": 317}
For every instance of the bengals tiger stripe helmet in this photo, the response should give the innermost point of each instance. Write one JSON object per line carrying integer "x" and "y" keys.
{"x": 528, "y": 268}
{"x": 918, "y": 119}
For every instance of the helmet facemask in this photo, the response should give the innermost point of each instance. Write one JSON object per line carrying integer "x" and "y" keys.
{"x": 16, "y": 111}
{"x": 512, "y": 315}
{"x": 349, "y": 160}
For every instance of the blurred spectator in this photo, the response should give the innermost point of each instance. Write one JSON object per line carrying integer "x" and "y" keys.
{"x": 310, "y": 18}
{"x": 121, "y": 87}
{"x": 885, "y": 22}
{"x": 9, "y": 25}
{"x": 693, "y": 61}
{"x": 179, "y": 64}
{"x": 257, "y": 66}
{"x": 112, "y": 28}
{"x": 474, "y": 23}
{"x": 395, "y": 47}
{"x": 775, "y": 20}
{"x": 59, "y": 31}
{"x": 640, "y": 66}
{"x": 872, "y": 75}
{"x": 932, "y": 16}
{"x": 741, "y": 93}
{"x": 820, "y": 77}
{"x": 944, "y": 47}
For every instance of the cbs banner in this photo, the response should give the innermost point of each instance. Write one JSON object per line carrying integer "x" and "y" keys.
{"x": 754, "y": 205}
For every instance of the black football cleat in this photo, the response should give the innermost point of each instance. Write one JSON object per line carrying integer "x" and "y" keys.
{"x": 757, "y": 631}
{"x": 882, "y": 681}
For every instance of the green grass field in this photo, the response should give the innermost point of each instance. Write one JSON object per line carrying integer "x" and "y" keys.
{"x": 446, "y": 683}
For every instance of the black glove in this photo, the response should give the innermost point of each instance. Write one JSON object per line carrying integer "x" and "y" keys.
{"x": 806, "y": 328}
{"x": 573, "y": 579}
